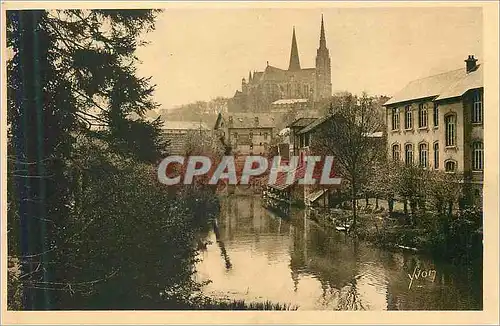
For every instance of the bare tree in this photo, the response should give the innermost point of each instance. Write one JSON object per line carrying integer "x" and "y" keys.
{"x": 444, "y": 189}
{"x": 348, "y": 135}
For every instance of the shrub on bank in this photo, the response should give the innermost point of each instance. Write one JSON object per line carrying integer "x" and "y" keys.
{"x": 458, "y": 238}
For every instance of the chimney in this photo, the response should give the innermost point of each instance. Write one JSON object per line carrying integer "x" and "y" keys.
{"x": 470, "y": 64}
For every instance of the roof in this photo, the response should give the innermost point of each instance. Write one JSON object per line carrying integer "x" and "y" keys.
{"x": 312, "y": 197}
{"x": 301, "y": 122}
{"x": 314, "y": 124}
{"x": 247, "y": 120}
{"x": 278, "y": 74}
{"x": 446, "y": 85}
{"x": 282, "y": 183}
{"x": 185, "y": 125}
{"x": 290, "y": 101}
{"x": 376, "y": 134}
{"x": 470, "y": 81}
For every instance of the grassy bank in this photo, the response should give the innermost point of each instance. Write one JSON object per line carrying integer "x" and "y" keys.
{"x": 214, "y": 304}
{"x": 456, "y": 237}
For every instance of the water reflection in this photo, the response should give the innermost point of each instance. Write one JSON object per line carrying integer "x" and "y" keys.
{"x": 255, "y": 255}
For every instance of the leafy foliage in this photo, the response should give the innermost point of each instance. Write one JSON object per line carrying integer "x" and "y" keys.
{"x": 77, "y": 137}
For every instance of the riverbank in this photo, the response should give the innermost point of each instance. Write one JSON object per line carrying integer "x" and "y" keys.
{"x": 456, "y": 238}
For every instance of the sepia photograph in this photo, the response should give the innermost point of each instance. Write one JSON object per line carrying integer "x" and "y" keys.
{"x": 297, "y": 157}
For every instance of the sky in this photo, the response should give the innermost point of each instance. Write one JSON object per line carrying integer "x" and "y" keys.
{"x": 199, "y": 54}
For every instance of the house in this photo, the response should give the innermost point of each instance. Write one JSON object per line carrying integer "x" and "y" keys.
{"x": 437, "y": 123}
{"x": 294, "y": 137}
{"x": 246, "y": 133}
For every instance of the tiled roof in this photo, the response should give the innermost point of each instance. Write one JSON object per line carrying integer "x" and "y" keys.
{"x": 446, "y": 85}
{"x": 281, "y": 179}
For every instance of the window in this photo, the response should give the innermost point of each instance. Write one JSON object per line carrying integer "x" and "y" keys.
{"x": 408, "y": 117}
{"x": 436, "y": 155}
{"x": 235, "y": 135}
{"x": 477, "y": 156}
{"x": 451, "y": 124}
{"x": 395, "y": 119}
{"x": 409, "y": 154}
{"x": 306, "y": 139}
{"x": 395, "y": 152}
{"x": 422, "y": 155}
{"x": 251, "y": 134}
{"x": 265, "y": 136}
{"x": 477, "y": 107}
{"x": 422, "y": 115}
{"x": 450, "y": 166}
{"x": 436, "y": 115}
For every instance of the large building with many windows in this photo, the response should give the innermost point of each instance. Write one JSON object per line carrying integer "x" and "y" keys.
{"x": 437, "y": 123}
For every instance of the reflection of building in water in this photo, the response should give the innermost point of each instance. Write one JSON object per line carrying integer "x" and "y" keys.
{"x": 298, "y": 262}
{"x": 314, "y": 252}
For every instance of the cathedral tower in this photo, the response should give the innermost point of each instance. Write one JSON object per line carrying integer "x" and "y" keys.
{"x": 323, "y": 67}
{"x": 294, "y": 55}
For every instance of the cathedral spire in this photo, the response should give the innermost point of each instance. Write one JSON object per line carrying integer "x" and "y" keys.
{"x": 294, "y": 54}
{"x": 322, "y": 38}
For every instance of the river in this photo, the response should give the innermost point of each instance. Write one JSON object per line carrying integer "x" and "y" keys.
{"x": 258, "y": 256}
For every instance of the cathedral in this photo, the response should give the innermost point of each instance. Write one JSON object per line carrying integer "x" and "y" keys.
{"x": 296, "y": 84}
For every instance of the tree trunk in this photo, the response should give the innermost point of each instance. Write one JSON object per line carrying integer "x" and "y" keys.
{"x": 390, "y": 203}
{"x": 405, "y": 203}
{"x": 366, "y": 199}
{"x": 450, "y": 208}
{"x": 439, "y": 206}
{"x": 413, "y": 208}
{"x": 376, "y": 202}
{"x": 29, "y": 138}
{"x": 354, "y": 208}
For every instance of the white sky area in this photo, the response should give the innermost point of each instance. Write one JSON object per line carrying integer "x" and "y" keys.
{"x": 199, "y": 54}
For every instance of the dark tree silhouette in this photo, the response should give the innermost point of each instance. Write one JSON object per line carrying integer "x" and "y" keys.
{"x": 72, "y": 74}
